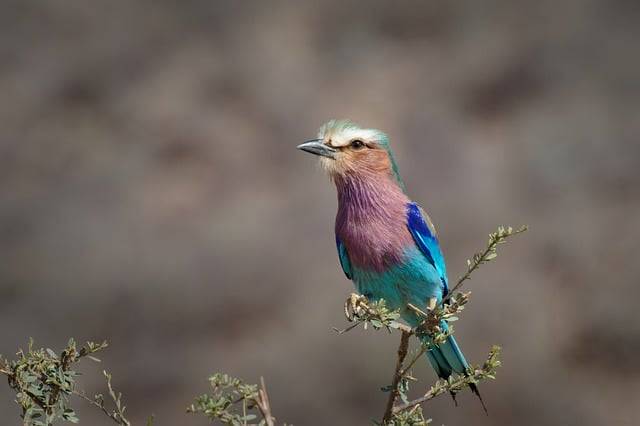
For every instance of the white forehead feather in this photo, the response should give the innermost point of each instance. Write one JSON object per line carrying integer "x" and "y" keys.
{"x": 341, "y": 132}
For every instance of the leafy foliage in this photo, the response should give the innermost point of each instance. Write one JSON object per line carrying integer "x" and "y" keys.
{"x": 432, "y": 320}
{"x": 412, "y": 417}
{"x": 456, "y": 383}
{"x": 44, "y": 382}
{"x": 359, "y": 310}
{"x": 231, "y": 401}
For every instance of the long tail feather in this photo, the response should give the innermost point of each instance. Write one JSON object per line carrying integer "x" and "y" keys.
{"x": 447, "y": 359}
{"x": 453, "y": 355}
{"x": 474, "y": 389}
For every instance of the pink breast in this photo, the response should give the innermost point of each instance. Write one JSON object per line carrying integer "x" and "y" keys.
{"x": 372, "y": 223}
{"x": 375, "y": 245}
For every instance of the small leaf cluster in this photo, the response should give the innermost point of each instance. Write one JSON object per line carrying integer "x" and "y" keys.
{"x": 412, "y": 417}
{"x": 432, "y": 320}
{"x": 229, "y": 401}
{"x": 359, "y": 310}
{"x": 474, "y": 375}
{"x": 380, "y": 316}
{"x": 457, "y": 383}
{"x": 44, "y": 381}
{"x": 495, "y": 238}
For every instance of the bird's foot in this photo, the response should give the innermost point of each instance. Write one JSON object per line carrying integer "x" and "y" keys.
{"x": 355, "y": 305}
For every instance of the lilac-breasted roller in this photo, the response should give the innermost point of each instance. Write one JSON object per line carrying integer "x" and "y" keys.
{"x": 387, "y": 244}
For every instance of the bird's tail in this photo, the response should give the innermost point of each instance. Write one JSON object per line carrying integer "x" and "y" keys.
{"x": 447, "y": 359}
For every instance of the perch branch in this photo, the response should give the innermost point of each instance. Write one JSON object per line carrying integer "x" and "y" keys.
{"x": 487, "y": 371}
{"x": 263, "y": 403}
{"x": 397, "y": 376}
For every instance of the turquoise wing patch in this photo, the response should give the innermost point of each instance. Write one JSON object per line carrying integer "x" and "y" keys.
{"x": 344, "y": 258}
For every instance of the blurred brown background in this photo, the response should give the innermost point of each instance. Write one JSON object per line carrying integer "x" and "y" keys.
{"x": 151, "y": 194}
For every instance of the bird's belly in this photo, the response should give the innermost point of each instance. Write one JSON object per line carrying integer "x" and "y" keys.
{"x": 413, "y": 280}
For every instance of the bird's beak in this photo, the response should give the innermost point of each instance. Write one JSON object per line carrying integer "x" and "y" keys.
{"x": 315, "y": 146}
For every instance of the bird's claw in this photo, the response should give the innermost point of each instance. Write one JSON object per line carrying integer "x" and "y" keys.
{"x": 354, "y": 306}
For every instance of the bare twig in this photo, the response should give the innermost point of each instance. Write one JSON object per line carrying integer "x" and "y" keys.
{"x": 403, "y": 328}
{"x": 117, "y": 415}
{"x": 433, "y": 392}
{"x": 100, "y": 406}
{"x": 423, "y": 349}
{"x": 347, "y": 329}
{"x": 263, "y": 403}
{"x": 397, "y": 376}
{"x": 489, "y": 253}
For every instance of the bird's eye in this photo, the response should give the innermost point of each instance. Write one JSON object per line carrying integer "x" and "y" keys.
{"x": 357, "y": 144}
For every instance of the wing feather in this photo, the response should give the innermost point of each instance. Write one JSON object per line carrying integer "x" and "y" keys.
{"x": 425, "y": 237}
{"x": 344, "y": 258}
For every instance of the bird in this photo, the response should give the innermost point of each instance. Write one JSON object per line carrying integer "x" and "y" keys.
{"x": 387, "y": 244}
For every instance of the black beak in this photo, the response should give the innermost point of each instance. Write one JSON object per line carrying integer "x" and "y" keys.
{"x": 315, "y": 146}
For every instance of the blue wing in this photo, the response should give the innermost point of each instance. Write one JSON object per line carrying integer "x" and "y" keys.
{"x": 446, "y": 358}
{"x": 344, "y": 258}
{"x": 424, "y": 235}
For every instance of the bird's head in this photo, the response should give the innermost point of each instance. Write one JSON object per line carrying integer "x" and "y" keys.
{"x": 346, "y": 149}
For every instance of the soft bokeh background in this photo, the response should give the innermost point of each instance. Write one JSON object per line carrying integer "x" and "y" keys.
{"x": 151, "y": 194}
